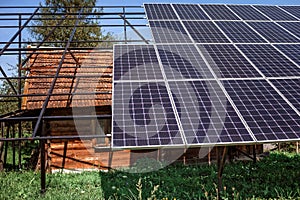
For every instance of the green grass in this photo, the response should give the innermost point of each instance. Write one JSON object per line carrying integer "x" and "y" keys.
{"x": 275, "y": 177}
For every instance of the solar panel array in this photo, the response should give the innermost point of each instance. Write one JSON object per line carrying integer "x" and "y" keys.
{"x": 214, "y": 75}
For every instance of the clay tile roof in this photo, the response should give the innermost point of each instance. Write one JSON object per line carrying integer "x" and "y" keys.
{"x": 90, "y": 74}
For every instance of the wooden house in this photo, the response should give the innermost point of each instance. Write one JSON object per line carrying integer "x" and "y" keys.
{"x": 83, "y": 87}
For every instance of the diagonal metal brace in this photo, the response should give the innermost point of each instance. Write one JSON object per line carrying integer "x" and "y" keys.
{"x": 45, "y": 104}
{"x": 134, "y": 29}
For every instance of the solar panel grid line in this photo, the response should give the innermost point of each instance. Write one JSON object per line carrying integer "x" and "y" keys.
{"x": 255, "y": 30}
{"x": 228, "y": 38}
{"x": 286, "y": 56}
{"x": 229, "y": 62}
{"x": 189, "y": 12}
{"x": 138, "y": 67}
{"x": 287, "y": 30}
{"x": 160, "y": 11}
{"x": 269, "y": 61}
{"x": 205, "y": 32}
{"x": 294, "y": 10}
{"x": 271, "y": 18}
{"x": 290, "y": 88}
{"x": 253, "y": 6}
{"x": 293, "y": 30}
{"x": 168, "y": 32}
{"x": 269, "y": 116}
{"x": 273, "y": 32}
{"x": 226, "y": 94}
{"x": 218, "y": 121}
{"x": 209, "y": 17}
{"x": 239, "y": 32}
{"x": 284, "y": 97}
{"x": 220, "y": 84}
{"x": 275, "y": 13}
{"x": 286, "y": 78}
{"x": 217, "y": 12}
{"x": 233, "y": 12}
{"x": 130, "y": 117}
{"x": 292, "y": 51}
{"x": 242, "y": 53}
{"x": 288, "y": 13}
{"x": 170, "y": 96}
{"x": 183, "y": 25}
{"x": 182, "y": 62}
{"x": 246, "y": 12}
{"x": 136, "y": 141}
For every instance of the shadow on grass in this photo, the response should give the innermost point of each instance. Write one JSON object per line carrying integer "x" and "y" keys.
{"x": 275, "y": 176}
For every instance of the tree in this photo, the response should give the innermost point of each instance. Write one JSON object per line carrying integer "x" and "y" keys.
{"x": 87, "y": 30}
{"x": 9, "y": 104}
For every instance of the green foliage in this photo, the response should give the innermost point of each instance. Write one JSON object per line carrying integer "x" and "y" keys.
{"x": 25, "y": 185}
{"x": 9, "y": 104}
{"x": 87, "y": 29}
{"x": 274, "y": 177}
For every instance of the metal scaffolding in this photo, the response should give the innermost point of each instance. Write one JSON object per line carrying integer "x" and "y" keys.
{"x": 121, "y": 18}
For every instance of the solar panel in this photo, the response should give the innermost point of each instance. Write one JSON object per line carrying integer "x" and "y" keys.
{"x": 267, "y": 114}
{"x": 190, "y": 12}
{"x": 227, "y": 61}
{"x": 247, "y": 12}
{"x": 219, "y": 12}
{"x": 269, "y": 61}
{"x": 136, "y": 62}
{"x": 294, "y": 10}
{"x": 168, "y": 32}
{"x": 170, "y": 93}
{"x": 143, "y": 116}
{"x": 290, "y": 88}
{"x": 206, "y": 115}
{"x": 293, "y": 27}
{"x": 239, "y": 32}
{"x": 273, "y": 33}
{"x": 275, "y": 13}
{"x": 205, "y": 32}
{"x": 159, "y": 11}
{"x": 183, "y": 62}
{"x": 291, "y": 50}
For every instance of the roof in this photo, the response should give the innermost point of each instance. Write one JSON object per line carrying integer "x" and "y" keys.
{"x": 84, "y": 74}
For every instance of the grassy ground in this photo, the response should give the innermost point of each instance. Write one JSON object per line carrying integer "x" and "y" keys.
{"x": 275, "y": 177}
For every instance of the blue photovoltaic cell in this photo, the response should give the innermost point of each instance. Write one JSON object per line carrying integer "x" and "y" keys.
{"x": 294, "y": 10}
{"x": 273, "y": 33}
{"x": 136, "y": 62}
{"x": 219, "y": 12}
{"x": 247, "y": 12}
{"x": 240, "y": 32}
{"x": 206, "y": 115}
{"x": 143, "y": 116}
{"x": 205, "y": 32}
{"x": 269, "y": 117}
{"x": 290, "y": 88}
{"x": 183, "y": 62}
{"x": 269, "y": 61}
{"x": 291, "y": 50}
{"x": 168, "y": 32}
{"x": 275, "y": 13}
{"x": 227, "y": 62}
{"x": 293, "y": 27}
{"x": 190, "y": 11}
{"x": 159, "y": 11}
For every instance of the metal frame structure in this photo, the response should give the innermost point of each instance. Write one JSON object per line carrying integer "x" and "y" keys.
{"x": 108, "y": 17}
{"x": 10, "y": 122}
